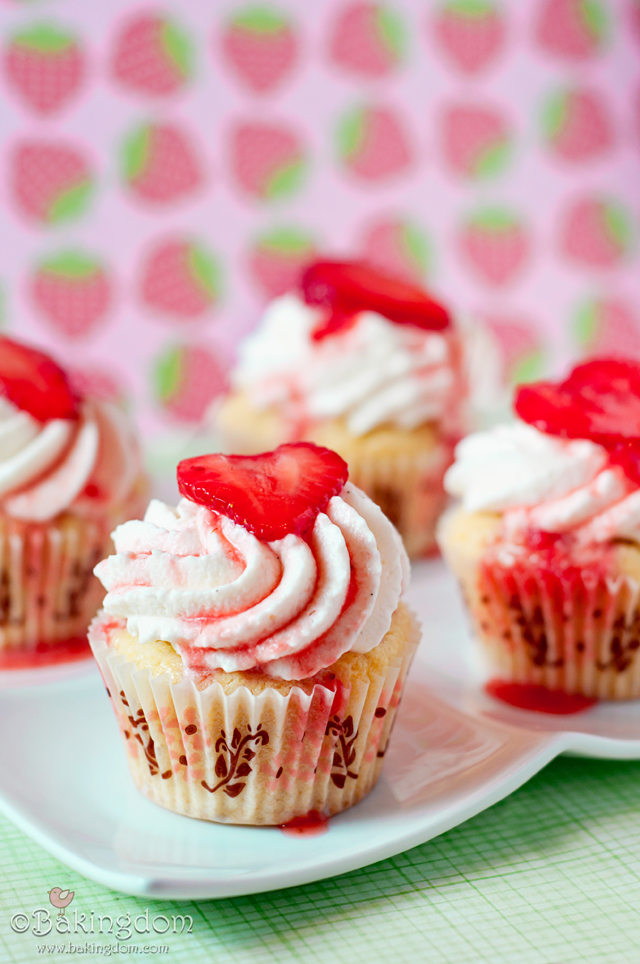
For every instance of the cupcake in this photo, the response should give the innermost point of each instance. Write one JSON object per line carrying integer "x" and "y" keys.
{"x": 69, "y": 472}
{"x": 546, "y": 541}
{"x": 364, "y": 364}
{"x": 253, "y": 641}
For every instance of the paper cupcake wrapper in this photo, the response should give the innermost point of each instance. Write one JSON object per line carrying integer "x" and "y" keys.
{"x": 408, "y": 488}
{"x": 251, "y": 758}
{"x": 48, "y": 593}
{"x": 578, "y": 635}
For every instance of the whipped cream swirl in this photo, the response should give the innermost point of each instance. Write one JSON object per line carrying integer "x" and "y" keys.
{"x": 371, "y": 372}
{"x": 542, "y": 482}
{"x": 46, "y": 468}
{"x": 226, "y": 600}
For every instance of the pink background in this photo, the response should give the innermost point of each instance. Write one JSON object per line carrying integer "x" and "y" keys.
{"x": 443, "y": 125}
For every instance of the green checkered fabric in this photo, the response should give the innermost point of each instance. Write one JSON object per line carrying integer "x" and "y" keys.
{"x": 549, "y": 876}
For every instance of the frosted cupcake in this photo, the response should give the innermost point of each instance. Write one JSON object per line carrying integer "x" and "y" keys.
{"x": 367, "y": 365}
{"x": 69, "y": 471}
{"x": 253, "y": 641}
{"x": 546, "y": 543}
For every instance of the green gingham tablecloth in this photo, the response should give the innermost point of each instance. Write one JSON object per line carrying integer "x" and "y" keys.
{"x": 550, "y": 875}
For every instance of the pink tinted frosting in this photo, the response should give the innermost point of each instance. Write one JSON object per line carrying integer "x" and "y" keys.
{"x": 227, "y": 601}
{"x": 541, "y": 482}
{"x": 47, "y": 468}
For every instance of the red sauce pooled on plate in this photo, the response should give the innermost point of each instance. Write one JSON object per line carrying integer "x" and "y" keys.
{"x": 527, "y": 696}
{"x": 47, "y": 654}
{"x": 311, "y": 824}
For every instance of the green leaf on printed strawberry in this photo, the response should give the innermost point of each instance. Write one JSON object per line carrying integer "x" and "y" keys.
{"x": 136, "y": 152}
{"x": 177, "y": 48}
{"x": 44, "y": 39}
{"x": 204, "y": 270}
{"x": 71, "y": 265}
{"x": 391, "y": 31}
{"x": 286, "y": 180}
{"x": 260, "y": 20}
{"x": 70, "y": 203}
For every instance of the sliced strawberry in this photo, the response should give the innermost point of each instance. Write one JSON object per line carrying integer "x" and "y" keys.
{"x": 32, "y": 381}
{"x": 271, "y": 494}
{"x": 347, "y": 287}
{"x": 600, "y": 400}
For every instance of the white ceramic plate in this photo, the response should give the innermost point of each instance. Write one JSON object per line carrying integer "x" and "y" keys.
{"x": 454, "y": 752}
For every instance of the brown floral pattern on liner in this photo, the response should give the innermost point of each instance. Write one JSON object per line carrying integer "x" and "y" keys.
{"x": 580, "y": 634}
{"x": 291, "y": 772}
{"x": 140, "y": 721}
{"x": 234, "y": 763}
{"x": 344, "y": 755}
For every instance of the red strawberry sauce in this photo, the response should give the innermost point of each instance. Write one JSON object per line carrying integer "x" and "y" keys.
{"x": 527, "y": 696}
{"x": 47, "y": 654}
{"x": 311, "y": 824}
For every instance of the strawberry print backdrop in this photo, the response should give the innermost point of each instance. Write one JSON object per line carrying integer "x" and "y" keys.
{"x": 165, "y": 170}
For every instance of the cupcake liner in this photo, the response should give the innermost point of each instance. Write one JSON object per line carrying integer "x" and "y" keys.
{"x": 251, "y": 758}
{"x": 48, "y": 593}
{"x": 408, "y": 487}
{"x": 579, "y": 633}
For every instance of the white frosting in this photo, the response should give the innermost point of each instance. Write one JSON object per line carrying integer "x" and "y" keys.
{"x": 542, "y": 482}
{"x": 226, "y": 600}
{"x": 45, "y": 467}
{"x": 370, "y": 373}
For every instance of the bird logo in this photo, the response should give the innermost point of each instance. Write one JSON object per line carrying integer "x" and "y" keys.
{"x": 61, "y": 898}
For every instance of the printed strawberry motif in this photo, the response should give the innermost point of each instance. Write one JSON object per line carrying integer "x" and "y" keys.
{"x": 396, "y": 246}
{"x": 73, "y": 293}
{"x": 519, "y": 343}
{"x": 267, "y": 160}
{"x": 634, "y": 17}
{"x": 272, "y": 494}
{"x": 152, "y": 56}
{"x": 277, "y": 258}
{"x": 373, "y": 143}
{"x": 45, "y": 66}
{"x": 495, "y": 244}
{"x": 187, "y": 379}
{"x": 577, "y": 125}
{"x": 160, "y": 164}
{"x": 51, "y": 182}
{"x": 596, "y": 233}
{"x": 572, "y": 29}
{"x": 607, "y": 326}
{"x": 475, "y": 140}
{"x": 180, "y": 279}
{"x": 368, "y": 39}
{"x": 261, "y": 46}
{"x": 35, "y": 383}
{"x": 470, "y": 32}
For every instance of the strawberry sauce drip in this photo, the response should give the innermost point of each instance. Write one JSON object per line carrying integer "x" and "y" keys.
{"x": 47, "y": 654}
{"x": 312, "y": 824}
{"x": 528, "y": 696}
